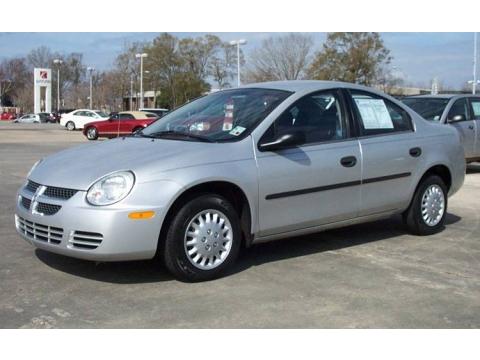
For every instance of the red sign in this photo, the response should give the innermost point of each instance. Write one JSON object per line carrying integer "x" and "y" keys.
{"x": 43, "y": 74}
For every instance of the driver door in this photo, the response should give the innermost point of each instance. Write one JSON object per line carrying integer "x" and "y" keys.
{"x": 317, "y": 182}
{"x": 465, "y": 127}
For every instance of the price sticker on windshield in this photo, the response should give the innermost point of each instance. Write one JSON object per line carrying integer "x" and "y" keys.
{"x": 237, "y": 130}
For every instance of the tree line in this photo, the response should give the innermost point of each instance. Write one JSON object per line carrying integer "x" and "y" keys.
{"x": 181, "y": 69}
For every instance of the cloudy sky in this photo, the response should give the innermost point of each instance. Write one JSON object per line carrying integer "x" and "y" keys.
{"x": 419, "y": 57}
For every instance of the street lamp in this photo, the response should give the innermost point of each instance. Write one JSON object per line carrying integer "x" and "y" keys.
{"x": 238, "y": 43}
{"x": 91, "y": 70}
{"x": 141, "y": 56}
{"x": 474, "y": 82}
{"x": 58, "y": 62}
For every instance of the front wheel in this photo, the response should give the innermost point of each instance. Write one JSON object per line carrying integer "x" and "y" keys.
{"x": 203, "y": 239}
{"x": 70, "y": 126}
{"x": 92, "y": 133}
{"x": 426, "y": 214}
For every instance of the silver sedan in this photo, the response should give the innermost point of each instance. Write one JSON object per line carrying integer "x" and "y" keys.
{"x": 242, "y": 166}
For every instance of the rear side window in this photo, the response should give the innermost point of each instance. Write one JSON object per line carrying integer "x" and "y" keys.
{"x": 126, "y": 117}
{"x": 475, "y": 108}
{"x": 378, "y": 115}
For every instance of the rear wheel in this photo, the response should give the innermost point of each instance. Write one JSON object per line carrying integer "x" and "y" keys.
{"x": 203, "y": 239}
{"x": 426, "y": 214}
{"x": 92, "y": 133}
{"x": 70, "y": 126}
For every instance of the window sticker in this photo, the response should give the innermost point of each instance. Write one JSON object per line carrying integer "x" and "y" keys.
{"x": 476, "y": 108}
{"x": 374, "y": 114}
{"x": 237, "y": 130}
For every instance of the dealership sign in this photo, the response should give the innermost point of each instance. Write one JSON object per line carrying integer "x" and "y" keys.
{"x": 42, "y": 90}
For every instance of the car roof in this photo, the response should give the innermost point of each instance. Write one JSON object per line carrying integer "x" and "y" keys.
{"x": 439, "y": 96}
{"x": 307, "y": 85}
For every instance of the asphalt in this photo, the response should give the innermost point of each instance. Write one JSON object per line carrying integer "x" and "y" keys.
{"x": 367, "y": 276}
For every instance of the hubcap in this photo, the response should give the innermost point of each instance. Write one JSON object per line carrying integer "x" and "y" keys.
{"x": 208, "y": 239}
{"x": 91, "y": 133}
{"x": 433, "y": 205}
{"x": 70, "y": 126}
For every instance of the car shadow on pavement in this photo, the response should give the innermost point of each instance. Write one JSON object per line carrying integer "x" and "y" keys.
{"x": 150, "y": 271}
{"x": 473, "y": 168}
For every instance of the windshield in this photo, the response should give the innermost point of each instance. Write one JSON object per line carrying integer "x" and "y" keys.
{"x": 429, "y": 108}
{"x": 224, "y": 115}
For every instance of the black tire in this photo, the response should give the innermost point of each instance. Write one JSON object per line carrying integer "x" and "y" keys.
{"x": 174, "y": 252}
{"x": 92, "y": 133}
{"x": 70, "y": 126}
{"x": 413, "y": 218}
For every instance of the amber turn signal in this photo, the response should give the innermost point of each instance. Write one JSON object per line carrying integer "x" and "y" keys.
{"x": 141, "y": 215}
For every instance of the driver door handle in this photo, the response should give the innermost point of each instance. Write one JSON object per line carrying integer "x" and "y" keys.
{"x": 470, "y": 127}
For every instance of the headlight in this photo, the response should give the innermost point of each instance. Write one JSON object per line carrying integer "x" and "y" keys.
{"x": 111, "y": 188}
{"x": 33, "y": 168}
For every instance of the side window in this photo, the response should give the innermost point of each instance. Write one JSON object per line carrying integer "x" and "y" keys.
{"x": 459, "y": 108}
{"x": 378, "y": 115}
{"x": 127, "y": 117}
{"x": 475, "y": 102}
{"x": 318, "y": 116}
{"x": 78, "y": 113}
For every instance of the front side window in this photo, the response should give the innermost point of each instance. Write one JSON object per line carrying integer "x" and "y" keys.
{"x": 459, "y": 109}
{"x": 126, "y": 117}
{"x": 102, "y": 114}
{"x": 428, "y": 108}
{"x": 475, "y": 102}
{"x": 222, "y": 116}
{"x": 319, "y": 117}
{"x": 378, "y": 115}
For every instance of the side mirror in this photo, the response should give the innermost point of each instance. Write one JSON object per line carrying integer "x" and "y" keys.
{"x": 457, "y": 118}
{"x": 285, "y": 141}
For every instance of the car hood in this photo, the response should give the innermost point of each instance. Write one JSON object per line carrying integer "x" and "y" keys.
{"x": 79, "y": 167}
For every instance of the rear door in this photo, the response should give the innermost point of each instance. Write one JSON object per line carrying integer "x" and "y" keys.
{"x": 315, "y": 183}
{"x": 475, "y": 109}
{"x": 390, "y": 152}
{"x": 465, "y": 126}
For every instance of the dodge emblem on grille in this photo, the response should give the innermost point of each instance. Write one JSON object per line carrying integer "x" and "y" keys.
{"x": 40, "y": 190}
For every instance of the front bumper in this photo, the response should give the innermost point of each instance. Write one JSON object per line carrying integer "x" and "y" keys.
{"x": 87, "y": 232}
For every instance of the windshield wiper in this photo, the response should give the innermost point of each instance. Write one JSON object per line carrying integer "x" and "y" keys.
{"x": 168, "y": 133}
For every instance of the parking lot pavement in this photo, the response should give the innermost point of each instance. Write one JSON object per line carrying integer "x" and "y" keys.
{"x": 368, "y": 276}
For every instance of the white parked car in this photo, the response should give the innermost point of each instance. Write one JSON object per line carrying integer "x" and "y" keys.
{"x": 29, "y": 119}
{"x": 78, "y": 118}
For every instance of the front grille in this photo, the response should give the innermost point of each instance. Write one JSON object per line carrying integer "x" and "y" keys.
{"x": 59, "y": 193}
{"x": 26, "y": 202}
{"x": 32, "y": 186}
{"x": 39, "y": 232}
{"x": 51, "y": 191}
{"x": 47, "y": 209}
{"x": 85, "y": 240}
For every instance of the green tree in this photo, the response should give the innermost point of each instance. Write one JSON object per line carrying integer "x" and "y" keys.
{"x": 356, "y": 57}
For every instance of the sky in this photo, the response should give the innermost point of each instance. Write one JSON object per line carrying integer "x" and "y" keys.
{"x": 417, "y": 57}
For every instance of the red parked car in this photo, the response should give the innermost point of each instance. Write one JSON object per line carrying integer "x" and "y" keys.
{"x": 8, "y": 116}
{"x": 119, "y": 124}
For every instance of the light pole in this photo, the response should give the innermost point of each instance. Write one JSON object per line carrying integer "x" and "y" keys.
{"x": 58, "y": 62}
{"x": 91, "y": 70}
{"x": 474, "y": 82}
{"x": 131, "y": 93}
{"x": 238, "y": 43}
{"x": 141, "y": 56}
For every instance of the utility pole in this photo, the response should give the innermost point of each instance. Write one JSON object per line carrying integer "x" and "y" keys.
{"x": 474, "y": 85}
{"x": 131, "y": 93}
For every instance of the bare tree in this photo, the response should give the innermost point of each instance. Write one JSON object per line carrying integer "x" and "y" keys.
{"x": 280, "y": 58}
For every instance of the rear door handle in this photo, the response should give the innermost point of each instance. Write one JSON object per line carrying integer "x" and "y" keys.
{"x": 348, "y": 161}
{"x": 470, "y": 127}
{"x": 415, "y": 152}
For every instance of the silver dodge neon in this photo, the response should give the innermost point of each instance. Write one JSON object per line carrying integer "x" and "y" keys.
{"x": 238, "y": 167}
